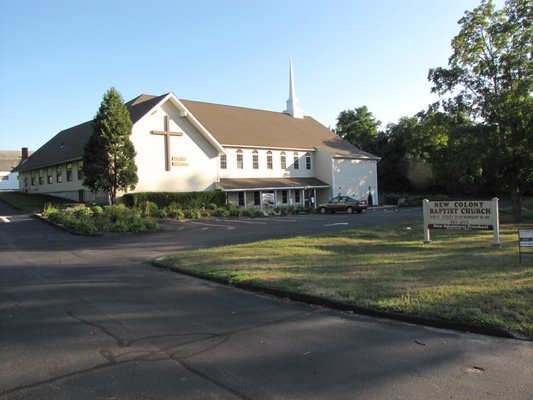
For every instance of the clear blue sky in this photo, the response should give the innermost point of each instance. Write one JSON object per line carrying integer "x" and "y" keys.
{"x": 58, "y": 57}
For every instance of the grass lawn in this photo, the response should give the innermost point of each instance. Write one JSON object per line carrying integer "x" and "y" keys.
{"x": 460, "y": 276}
{"x": 30, "y": 202}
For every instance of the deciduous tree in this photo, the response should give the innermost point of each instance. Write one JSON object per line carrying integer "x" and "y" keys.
{"x": 491, "y": 72}
{"x": 359, "y": 127}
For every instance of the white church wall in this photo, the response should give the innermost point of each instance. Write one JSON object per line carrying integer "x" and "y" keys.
{"x": 324, "y": 172}
{"x": 195, "y": 160}
{"x": 232, "y": 169}
{"x": 354, "y": 177}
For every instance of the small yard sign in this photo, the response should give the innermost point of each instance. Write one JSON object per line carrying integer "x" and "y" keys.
{"x": 525, "y": 239}
{"x": 463, "y": 215}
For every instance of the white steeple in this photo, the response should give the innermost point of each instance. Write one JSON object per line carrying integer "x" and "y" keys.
{"x": 293, "y": 104}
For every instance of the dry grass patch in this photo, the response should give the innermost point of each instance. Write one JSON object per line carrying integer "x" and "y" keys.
{"x": 461, "y": 276}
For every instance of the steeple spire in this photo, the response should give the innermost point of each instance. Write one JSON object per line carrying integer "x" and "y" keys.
{"x": 293, "y": 104}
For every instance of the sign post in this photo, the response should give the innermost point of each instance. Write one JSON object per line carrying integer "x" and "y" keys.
{"x": 462, "y": 216}
{"x": 425, "y": 207}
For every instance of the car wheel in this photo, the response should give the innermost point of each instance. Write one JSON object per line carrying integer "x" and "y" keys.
{"x": 359, "y": 211}
{"x": 349, "y": 210}
{"x": 323, "y": 210}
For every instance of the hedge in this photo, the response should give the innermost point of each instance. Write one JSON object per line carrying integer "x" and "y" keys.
{"x": 186, "y": 200}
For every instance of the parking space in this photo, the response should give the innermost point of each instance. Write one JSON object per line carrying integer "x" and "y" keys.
{"x": 296, "y": 224}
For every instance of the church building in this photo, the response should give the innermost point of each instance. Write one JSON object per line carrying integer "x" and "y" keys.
{"x": 259, "y": 158}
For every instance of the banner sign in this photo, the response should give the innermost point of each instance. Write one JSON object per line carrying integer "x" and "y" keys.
{"x": 525, "y": 239}
{"x": 461, "y": 215}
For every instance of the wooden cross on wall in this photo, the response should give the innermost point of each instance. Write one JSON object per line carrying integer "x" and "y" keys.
{"x": 167, "y": 134}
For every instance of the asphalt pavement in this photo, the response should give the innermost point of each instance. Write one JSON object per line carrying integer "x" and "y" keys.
{"x": 91, "y": 318}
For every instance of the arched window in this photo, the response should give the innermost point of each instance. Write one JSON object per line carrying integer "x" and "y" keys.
{"x": 269, "y": 160}
{"x": 240, "y": 163}
{"x": 307, "y": 161}
{"x": 283, "y": 159}
{"x": 255, "y": 159}
{"x": 296, "y": 161}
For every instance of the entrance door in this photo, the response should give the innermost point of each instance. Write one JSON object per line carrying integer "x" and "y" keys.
{"x": 309, "y": 198}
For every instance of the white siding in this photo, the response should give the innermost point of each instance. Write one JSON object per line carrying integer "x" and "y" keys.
{"x": 353, "y": 177}
{"x": 9, "y": 180}
{"x": 324, "y": 169}
{"x": 263, "y": 172}
{"x": 197, "y": 158}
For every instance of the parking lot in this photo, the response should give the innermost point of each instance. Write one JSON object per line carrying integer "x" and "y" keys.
{"x": 95, "y": 320}
{"x": 217, "y": 231}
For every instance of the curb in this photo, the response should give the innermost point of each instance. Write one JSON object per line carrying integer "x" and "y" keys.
{"x": 346, "y": 307}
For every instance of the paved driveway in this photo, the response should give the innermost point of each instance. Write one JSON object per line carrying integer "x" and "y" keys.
{"x": 90, "y": 318}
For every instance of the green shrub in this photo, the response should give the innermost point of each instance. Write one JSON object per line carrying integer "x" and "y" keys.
{"x": 150, "y": 225}
{"x": 97, "y": 210}
{"x": 235, "y": 212}
{"x": 147, "y": 208}
{"x": 50, "y": 209}
{"x": 212, "y": 206}
{"x": 222, "y": 213}
{"x": 252, "y": 212}
{"x": 193, "y": 213}
{"x": 116, "y": 212}
{"x": 83, "y": 225}
{"x": 160, "y": 213}
{"x": 82, "y": 212}
{"x": 120, "y": 226}
{"x": 102, "y": 223}
{"x": 185, "y": 200}
{"x": 110, "y": 218}
{"x": 175, "y": 213}
{"x": 58, "y": 217}
{"x": 246, "y": 212}
{"x": 138, "y": 224}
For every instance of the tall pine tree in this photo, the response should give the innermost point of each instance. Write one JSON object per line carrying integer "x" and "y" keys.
{"x": 109, "y": 155}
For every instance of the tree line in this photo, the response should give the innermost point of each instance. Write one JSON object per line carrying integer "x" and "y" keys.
{"x": 480, "y": 139}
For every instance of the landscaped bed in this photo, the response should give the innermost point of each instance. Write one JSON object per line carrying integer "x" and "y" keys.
{"x": 459, "y": 277}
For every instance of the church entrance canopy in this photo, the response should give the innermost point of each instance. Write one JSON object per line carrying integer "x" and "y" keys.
{"x": 251, "y": 184}
{"x": 272, "y": 192}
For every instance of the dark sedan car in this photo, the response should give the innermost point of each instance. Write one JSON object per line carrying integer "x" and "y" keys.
{"x": 343, "y": 203}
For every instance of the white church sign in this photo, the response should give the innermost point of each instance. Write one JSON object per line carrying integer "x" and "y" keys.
{"x": 462, "y": 216}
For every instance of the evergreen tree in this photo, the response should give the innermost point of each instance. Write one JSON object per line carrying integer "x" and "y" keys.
{"x": 109, "y": 155}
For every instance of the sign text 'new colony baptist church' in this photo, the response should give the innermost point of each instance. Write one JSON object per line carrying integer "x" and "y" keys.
{"x": 463, "y": 216}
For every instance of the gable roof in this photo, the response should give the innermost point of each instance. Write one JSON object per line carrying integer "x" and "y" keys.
{"x": 68, "y": 144}
{"x": 238, "y": 126}
{"x": 229, "y": 125}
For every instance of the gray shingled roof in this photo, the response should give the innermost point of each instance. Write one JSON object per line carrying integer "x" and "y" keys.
{"x": 9, "y": 159}
{"x": 68, "y": 145}
{"x": 238, "y": 126}
{"x": 235, "y": 126}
